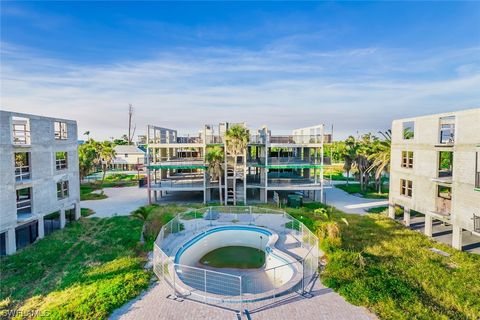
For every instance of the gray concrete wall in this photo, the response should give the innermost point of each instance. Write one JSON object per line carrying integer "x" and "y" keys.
{"x": 44, "y": 175}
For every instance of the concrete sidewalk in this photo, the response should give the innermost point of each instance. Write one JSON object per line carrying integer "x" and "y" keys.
{"x": 120, "y": 201}
{"x": 350, "y": 203}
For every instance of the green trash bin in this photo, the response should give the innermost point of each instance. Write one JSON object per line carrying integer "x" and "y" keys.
{"x": 294, "y": 201}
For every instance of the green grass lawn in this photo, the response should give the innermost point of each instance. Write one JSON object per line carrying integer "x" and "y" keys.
{"x": 86, "y": 190}
{"x": 116, "y": 180}
{"x": 388, "y": 268}
{"x": 237, "y": 257}
{"x": 85, "y": 212}
{"x": 84, "y": 271}
{"x": 371, "y": 192}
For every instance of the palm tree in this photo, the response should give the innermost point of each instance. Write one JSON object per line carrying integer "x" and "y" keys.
{"x": 142, "y": 214}
{"x": 236, "y": 138}
{"x": 87, "y": 133}
{"x": 328, "y": 228}
{"x": 381, "y": 157}
{"x": 215, "y": 160}
{"x": 107, "y": 154}
{"x": 349, "y": 155}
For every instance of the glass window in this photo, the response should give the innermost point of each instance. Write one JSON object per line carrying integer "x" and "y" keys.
{"x": 406, "y": 187}
{"x": 62, "y": 189}
{"x": 61, "y": 162}
{"x": 408, "y": 130}
{"x": 60, "y": 130}
{"x": 407, "y": 159}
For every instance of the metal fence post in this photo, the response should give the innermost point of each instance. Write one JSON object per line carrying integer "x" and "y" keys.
{"x": 241, "y": 295}
{"x": 174, "y": 288}
{"x": 205, "y": 284}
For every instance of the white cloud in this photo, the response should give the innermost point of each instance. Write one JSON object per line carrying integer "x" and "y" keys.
{"x": 359, "y": 89}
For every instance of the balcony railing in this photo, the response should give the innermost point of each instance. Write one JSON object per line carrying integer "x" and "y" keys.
{"x": 476, "y": 223}
{"x": 24, "y": 206}
{"x": 178, "y": 184}
{"x": 296, "y": 139}
{"x": 21, "y": 135}
{"x": 22, "y": 173}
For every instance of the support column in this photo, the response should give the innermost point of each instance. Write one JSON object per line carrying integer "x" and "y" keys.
{"x": 11, "y": 243}
{"x": 78, "y": 212}
{"x": 62, "y": 219}
{"x": 391, "y": 211}
{"x": 155, "y": 196}
{"x": 428, "y": 225}
{"x": 41, "y": 228}
{"x": 406, "y": 216}
{"x": 263, "y": 195}
{"x": 457, "y": 237}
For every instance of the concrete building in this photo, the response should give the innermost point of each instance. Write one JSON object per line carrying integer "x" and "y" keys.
{"x": 270, "y": 163}
{"x": 435, "y": 171}
{"x": 128, "y": 158}
{"x": 39, "y": 187}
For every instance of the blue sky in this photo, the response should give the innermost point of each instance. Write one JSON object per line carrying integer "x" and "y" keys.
{"x": 356, "y": 65}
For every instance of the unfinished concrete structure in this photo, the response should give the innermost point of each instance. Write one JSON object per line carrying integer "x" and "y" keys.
{"x": 435, "y": 170}
{"x": 39, "y": 188}
{"x": 286, "y": 163}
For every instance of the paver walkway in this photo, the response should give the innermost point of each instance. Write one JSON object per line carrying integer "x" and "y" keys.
{"x": 350, "y": 203}
{"x": 157, "y": 303}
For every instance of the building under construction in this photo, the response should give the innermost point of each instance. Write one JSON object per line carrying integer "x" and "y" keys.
{"x": 270, "y": 163}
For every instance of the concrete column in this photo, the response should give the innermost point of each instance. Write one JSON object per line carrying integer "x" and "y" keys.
{"x": 391, "y": 210}
{"x": 62, "y": 219}
{"x": 457, "y": 237}
{"x": 41, "y": 228}
{"x": 406, "y": 216}
{"x": 78, "y": 212}
{"x": 428, "y": 225}
{"x": 208, "y": 195}
{"x": 318, "y": 195}
{"x": 11, "y": 243}
{"x": 155, "y": 196}
{"x": 263, "y": 195}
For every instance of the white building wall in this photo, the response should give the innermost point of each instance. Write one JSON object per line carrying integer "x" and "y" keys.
{"x": 426, "y": 147}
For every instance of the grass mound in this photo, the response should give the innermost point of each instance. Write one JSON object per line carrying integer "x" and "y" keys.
{"x": 237, "y": 257}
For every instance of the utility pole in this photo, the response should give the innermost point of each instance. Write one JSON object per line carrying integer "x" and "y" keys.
{"x": 130, "y": 115}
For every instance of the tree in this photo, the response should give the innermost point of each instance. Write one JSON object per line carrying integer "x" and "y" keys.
{"x": 215, "y": 159}
{"x": 362, "y": 162}
{"x": 106, "y": 154}
{"x": 87, "y": 133}
{"x": 87, "y": 157}
{"x": 237, "y": 138}
{"x": 328, "y": 228}
{"x": 349, "y": 154}
{"x": 142, "y": 214}
{"x": 381, "y": 157}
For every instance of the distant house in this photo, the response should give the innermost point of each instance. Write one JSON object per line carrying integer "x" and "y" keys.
{"x": 128, "y": 158}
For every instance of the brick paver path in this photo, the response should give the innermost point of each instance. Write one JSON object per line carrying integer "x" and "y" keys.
{"x": 157, "y": 303}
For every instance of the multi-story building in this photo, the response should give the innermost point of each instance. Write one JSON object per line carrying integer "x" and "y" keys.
{"x": 39, "y": 178}
{"x": 435, "y": 170}
{"x": 269, "y": 163}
